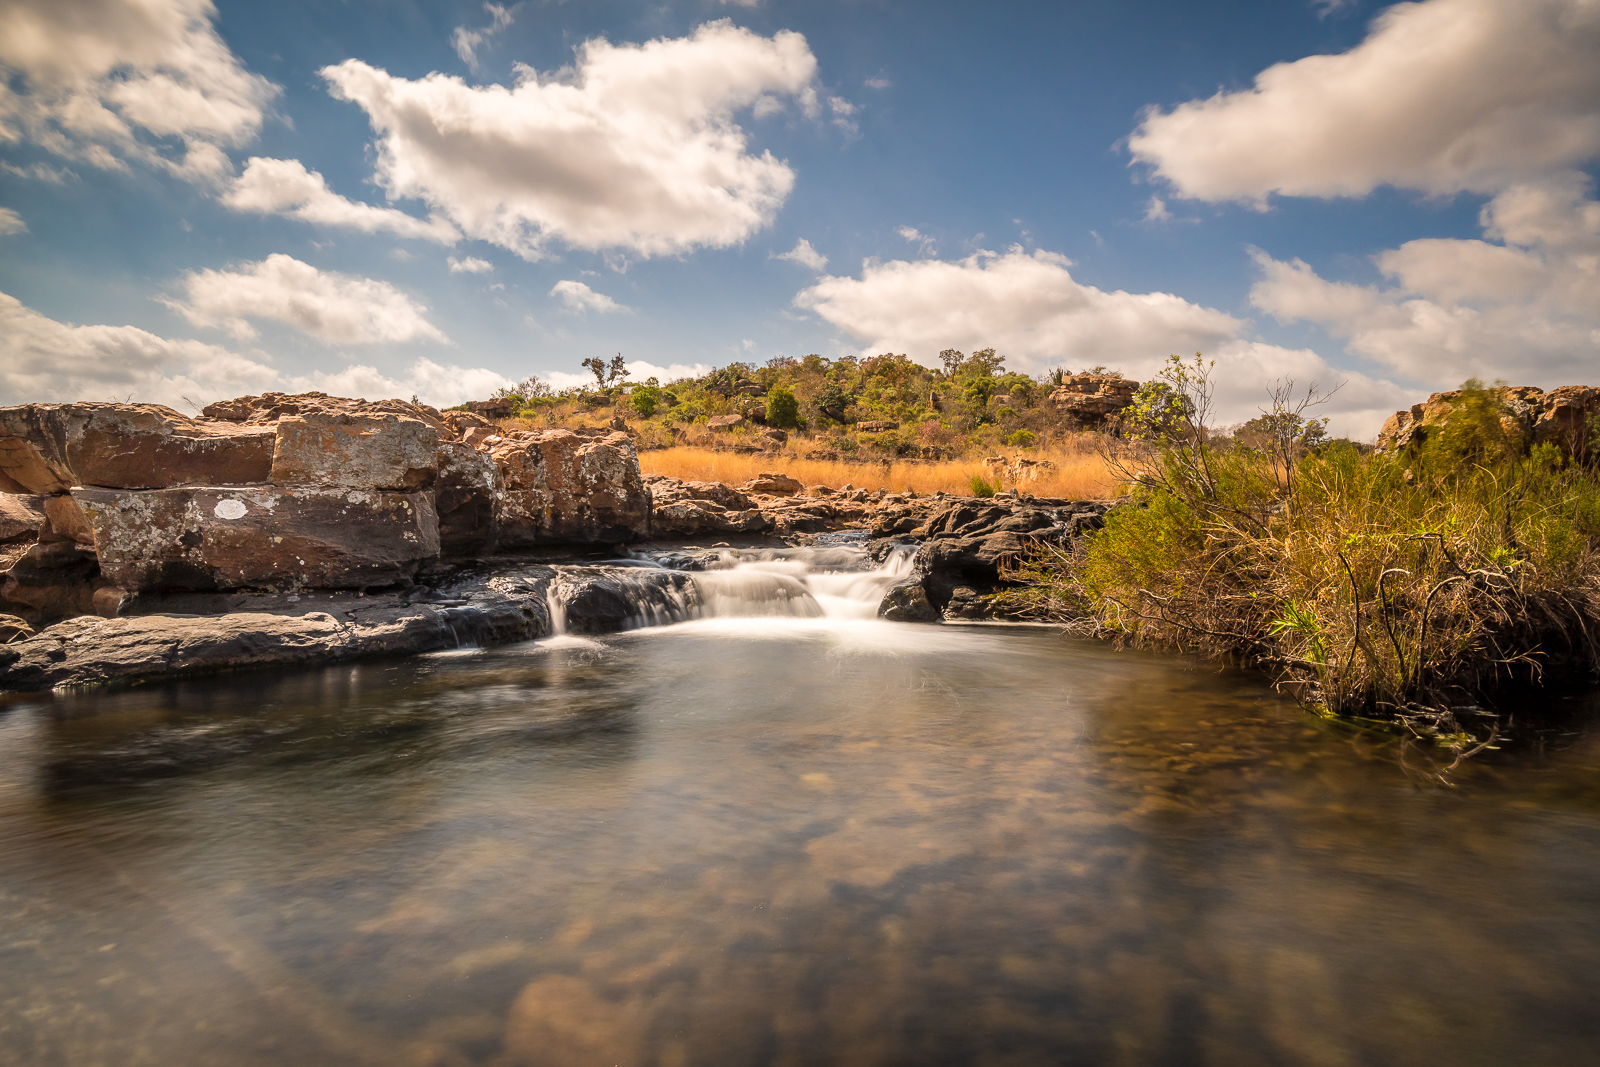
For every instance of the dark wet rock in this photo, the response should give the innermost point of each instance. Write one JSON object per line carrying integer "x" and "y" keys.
{"x": 220, "y": 632}
{"x": 977, "y": 539}
{"x": 464, "y": 496}
{"x": 967, "y": 603}
{"x": 907, "y": 601}
{"x": 608, "y": 599}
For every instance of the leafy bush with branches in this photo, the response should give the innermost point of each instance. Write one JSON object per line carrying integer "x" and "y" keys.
{"x": 1399, "y": 586}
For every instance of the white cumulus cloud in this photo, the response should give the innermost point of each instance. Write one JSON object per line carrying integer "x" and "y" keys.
{"x": 803, "y": 254}
{"x": 1442, "y": 96}
{"x": 1030, "y": 308}
{"x": 579, "y": 298}
{"x": 633, "y": 148}
{"x": 45, "y": 360}
{"x": 337, "y": 309}
{"x": 286, "y": 187}
{"x": 470, "y": 265}
{"x": 1523, "y": 305}
{"x": 107, "y": 81}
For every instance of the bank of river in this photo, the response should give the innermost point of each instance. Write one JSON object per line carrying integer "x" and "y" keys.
{"x": 780, "y": 840}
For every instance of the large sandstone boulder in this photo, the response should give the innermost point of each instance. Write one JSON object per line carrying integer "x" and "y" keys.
{"x": 1093, "y": 399}
{"x": 372, "y": 450}
{"x": 48, "y": 448}
{"x": 562, "y": 488}
{"x": 262, "y": 537}
{"x": 773, "y": 483}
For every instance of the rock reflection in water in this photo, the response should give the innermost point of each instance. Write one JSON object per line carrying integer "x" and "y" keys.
{"x": 791, "y": 841}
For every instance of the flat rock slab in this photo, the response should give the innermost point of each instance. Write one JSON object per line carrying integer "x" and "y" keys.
{"x": 259, "y": 537}
{"x": 49, "y": 448}
{"x": 159, "y": 647}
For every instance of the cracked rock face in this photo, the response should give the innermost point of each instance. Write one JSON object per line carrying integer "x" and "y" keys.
{"x": 376, "y": 450}
{"x": 562, "y": 488}
{"x": 261, "y": 537}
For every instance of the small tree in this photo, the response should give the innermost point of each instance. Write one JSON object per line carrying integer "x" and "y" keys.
{"x": 646, "y": 399}
{"x": 783, "y": 410}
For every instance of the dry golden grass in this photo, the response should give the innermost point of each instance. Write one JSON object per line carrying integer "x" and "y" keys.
{"x": 1075, "y": 475}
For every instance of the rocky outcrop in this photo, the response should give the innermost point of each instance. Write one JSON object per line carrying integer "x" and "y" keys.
{"x": 772, "y": 483}
{"x": 1093, "y": 400}
{"x": 562, "y": 488}
{"x": 268, "y": 408}
{"x": 907, "y": 601}
{"x": 49, "y": 448}
{"x": 681, "y": 509}
{"x": 466, "y": 494}
{"x": 1564, "y": 416}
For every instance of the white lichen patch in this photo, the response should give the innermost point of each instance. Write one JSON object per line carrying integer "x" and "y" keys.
{"x": 230, "y": 509}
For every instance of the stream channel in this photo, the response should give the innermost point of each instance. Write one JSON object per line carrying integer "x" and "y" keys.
{"x": 780, "y": 831}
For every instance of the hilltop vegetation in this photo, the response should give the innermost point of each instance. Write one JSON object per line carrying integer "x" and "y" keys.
{"x": 882, "y": 407}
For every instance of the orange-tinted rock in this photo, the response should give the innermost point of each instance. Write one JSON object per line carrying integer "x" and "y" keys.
{"x": 20, "y": 517}
{"x": 374, "y": 450}
{"x": 48, "y": 448}
{"x": 459, "y": 422}
{"x": 773, "y": 483}
{"x": 259, "y": 537}
{"x": 65, "y": 521}
{"x": 562, "y": 488}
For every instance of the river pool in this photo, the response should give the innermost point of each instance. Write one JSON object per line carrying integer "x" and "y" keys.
{"x": 783, "y": 841}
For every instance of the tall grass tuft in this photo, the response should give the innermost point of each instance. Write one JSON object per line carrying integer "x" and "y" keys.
{"x": 1400, "y": 586}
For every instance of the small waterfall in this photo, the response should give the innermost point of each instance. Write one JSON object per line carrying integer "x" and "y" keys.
{"x": 835, "y": 582}
{"x": 804, "y": 583}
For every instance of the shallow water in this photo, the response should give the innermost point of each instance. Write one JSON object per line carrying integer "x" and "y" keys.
{"x": 780, "y": 840}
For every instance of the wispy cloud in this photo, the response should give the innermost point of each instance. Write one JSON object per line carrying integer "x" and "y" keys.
{"x": 470, "y": 265}
{"x": 11, "y": 222}
{"x": 803, "y": 254}
{"x": 467, "y": 41}
{"x": 579, "y": 298}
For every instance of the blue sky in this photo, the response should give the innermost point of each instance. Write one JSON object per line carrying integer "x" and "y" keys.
{"x": 394, "y": 198}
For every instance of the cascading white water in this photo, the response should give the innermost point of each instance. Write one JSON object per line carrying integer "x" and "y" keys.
{"x": 797, "y": 583}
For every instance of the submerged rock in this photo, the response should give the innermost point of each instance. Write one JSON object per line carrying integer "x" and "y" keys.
{"x": 907, "y": 601}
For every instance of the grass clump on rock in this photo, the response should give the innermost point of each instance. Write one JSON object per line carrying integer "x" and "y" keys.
{"x": 1406, "y": 585}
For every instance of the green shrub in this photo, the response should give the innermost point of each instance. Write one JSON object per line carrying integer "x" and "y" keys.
{"x": 783, "y": 410}
{"x": 1021, "y": 439}
{"x": 1382, "y": 585}
{"x": 981, "y": 486}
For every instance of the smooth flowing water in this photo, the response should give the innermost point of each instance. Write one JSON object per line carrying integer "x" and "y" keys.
{"x": 798, "y": 838}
